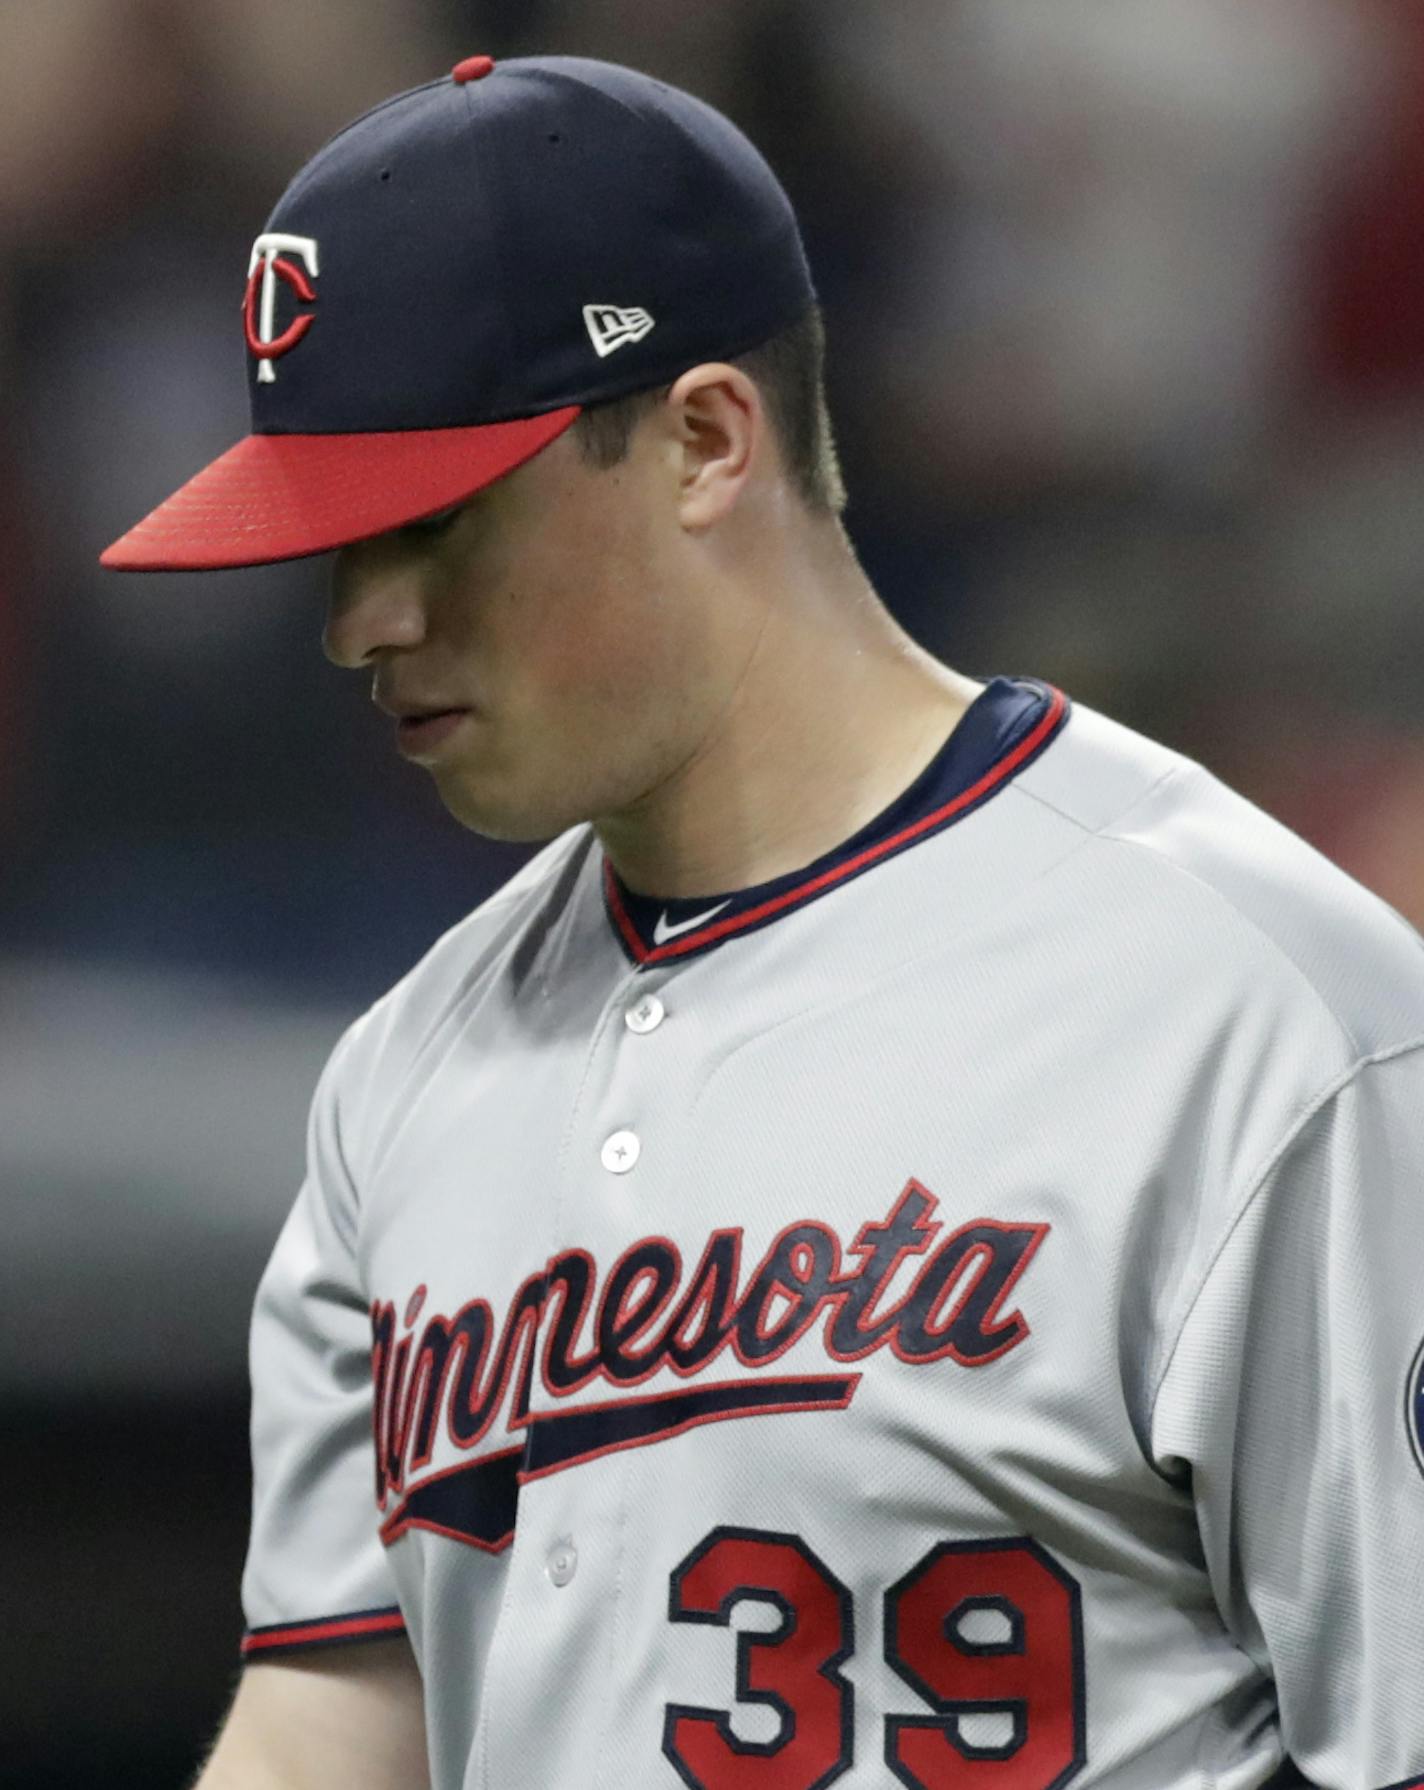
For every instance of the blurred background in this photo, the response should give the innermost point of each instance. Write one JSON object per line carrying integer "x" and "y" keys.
{"x": 1125, "y": 308}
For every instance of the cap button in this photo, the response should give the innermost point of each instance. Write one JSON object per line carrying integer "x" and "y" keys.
{"x": 473, "y": 68}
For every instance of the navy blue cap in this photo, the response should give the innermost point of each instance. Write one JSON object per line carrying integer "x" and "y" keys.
{"x": 454, "y": 276}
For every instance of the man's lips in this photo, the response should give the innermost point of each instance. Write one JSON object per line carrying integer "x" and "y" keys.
{"x": 419, "y": 734}
{"x": 422, "y": 725}
{"x": 419, "y": 717}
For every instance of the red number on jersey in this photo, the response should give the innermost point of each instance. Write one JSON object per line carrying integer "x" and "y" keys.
{"x": 989, "y": 1629}
{"x": 792, "y": 1669}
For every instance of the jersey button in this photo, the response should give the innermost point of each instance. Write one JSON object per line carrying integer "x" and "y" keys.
{"x": 647, "y": 1016}
{"x": 562, "y": 1563}
{"x": 620, "y": 1152}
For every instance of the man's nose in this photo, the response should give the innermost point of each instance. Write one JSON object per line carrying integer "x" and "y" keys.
{"x": 374, "y": 604}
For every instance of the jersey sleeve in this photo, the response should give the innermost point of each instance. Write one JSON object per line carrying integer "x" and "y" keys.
{"x": 1293, "y": 1398}
{"x": 316, "y": 1571}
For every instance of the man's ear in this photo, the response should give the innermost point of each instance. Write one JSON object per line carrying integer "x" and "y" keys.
{"x": 720, "y": 422}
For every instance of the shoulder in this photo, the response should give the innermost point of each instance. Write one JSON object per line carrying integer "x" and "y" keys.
{"x": 383, "y": 1043}
{"x": 1226, "y": 889}
{"x": 531, "y": 898}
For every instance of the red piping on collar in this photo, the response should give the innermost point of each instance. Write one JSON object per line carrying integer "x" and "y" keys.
{"x": 706, "y": 935}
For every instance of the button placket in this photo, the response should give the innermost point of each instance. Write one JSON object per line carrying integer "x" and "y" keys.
{"x": 622, "y": 1148}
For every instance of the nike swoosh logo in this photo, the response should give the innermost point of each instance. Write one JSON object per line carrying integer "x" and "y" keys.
{"x": 662, "y": 932}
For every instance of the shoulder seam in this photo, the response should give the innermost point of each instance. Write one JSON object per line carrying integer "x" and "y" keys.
{"x": 1257, "y": 1181}
{"x": 1172, "y": 865}
{"x": 1172, "y": 770}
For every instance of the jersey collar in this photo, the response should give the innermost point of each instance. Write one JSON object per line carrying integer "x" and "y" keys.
{"x": 1003, "y": 729}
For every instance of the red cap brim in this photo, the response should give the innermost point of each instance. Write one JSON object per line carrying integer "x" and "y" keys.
{"x": 284, "y": 496}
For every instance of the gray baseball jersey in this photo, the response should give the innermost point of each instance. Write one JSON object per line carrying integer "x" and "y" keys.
{"x": 951, "y": 1316}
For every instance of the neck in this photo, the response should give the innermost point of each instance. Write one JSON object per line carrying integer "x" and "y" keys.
{"x": 835, "y": 711}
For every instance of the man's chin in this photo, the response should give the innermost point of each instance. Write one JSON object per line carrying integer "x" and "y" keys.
{"x": 509, "y": 822}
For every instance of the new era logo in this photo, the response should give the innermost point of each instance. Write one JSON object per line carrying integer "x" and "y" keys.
{"x": 612, "y": 326}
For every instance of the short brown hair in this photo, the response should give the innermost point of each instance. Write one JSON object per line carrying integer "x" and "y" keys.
{"x": 789, "y": 372}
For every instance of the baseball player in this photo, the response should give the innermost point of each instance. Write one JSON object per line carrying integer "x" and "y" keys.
{"x": 890, "y": 1251}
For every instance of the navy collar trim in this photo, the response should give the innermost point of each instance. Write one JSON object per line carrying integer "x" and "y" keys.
{"x": 1004, "y": 729}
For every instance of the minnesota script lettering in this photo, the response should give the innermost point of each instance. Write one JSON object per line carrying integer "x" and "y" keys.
{"x": 644, "y": 1317}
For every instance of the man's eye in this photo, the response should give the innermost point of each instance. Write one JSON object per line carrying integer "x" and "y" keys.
{"x": 430, "y": 525}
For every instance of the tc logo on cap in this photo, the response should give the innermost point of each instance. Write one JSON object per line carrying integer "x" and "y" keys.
{"x": 1414, "y": 1407}
{"x": 265, "y": 268}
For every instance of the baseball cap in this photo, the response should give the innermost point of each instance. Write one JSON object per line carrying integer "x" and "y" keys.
{"x": 454, "y": 276}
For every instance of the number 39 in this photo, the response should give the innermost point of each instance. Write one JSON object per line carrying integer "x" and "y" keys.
{"x": 1030, "y": 1675}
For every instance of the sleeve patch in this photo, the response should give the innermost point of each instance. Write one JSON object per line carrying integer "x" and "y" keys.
{"x": 1414, "y": 1415}
{"x": 323, "y": 1631}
